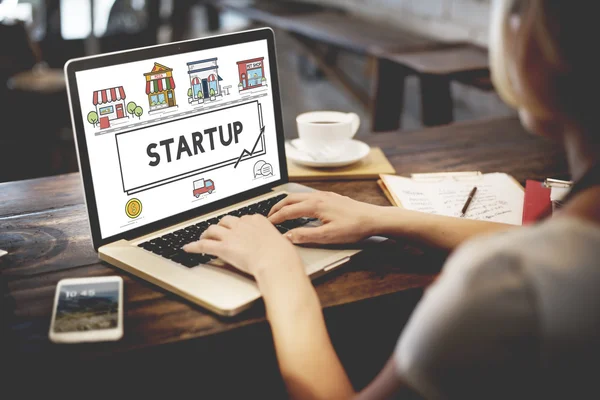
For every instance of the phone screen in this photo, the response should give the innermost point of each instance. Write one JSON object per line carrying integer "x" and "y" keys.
{"x": 87, "y": 307}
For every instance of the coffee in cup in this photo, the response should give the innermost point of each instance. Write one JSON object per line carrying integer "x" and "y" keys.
{"x": 330, "y": 130}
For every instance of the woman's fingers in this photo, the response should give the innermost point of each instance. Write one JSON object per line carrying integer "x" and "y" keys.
{"x": 229, "y": 221}
{"x": 290, "y": 199}
{"x": 318, "y": 235}
{"x": 215, "y": 232}
{"x": 293, "y": 211}
{"x": 205, "y": 246}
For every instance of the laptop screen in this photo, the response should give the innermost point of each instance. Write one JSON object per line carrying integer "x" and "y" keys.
{"x": 170, "y": 134}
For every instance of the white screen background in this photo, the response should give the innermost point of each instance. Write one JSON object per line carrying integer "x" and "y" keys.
{"x": 177, "y": 196}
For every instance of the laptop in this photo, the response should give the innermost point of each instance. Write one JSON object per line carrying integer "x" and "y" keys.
{"x": 170, "y": 139}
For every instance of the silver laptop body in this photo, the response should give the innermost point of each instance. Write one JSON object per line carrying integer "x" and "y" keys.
{"x": 171, "y": 136}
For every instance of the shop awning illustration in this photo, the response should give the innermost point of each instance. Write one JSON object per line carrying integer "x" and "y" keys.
{"x": 160, "y": 85}
{"x": 109, "y": 95}
{"x": 211, "y": 78}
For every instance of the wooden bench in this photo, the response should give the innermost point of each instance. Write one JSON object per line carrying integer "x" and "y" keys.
{"x": 436, "y": 69}
{"x": 324, "y": 31}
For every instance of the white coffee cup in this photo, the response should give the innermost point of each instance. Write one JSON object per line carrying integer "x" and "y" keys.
{"x": 320, "y": 130}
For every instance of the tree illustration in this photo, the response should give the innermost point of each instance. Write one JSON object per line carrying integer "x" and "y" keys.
{"x": 131, "y": 106}
{"x": 200, "y": 94}
{"x": 190, "y": 92}
{"x": 212, "y": 93}
{"x": 92, "y": 118}
{"x": 138, "y": 112}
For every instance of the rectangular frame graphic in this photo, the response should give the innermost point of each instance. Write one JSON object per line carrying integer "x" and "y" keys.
{"x": 259, "y": 149}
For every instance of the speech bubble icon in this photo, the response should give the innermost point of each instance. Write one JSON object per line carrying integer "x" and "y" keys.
{"x": 267, "y": 169}
{"x": 258, "y": 168}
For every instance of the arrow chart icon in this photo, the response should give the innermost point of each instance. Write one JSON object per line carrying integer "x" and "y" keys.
{"x": 260, "y": 139}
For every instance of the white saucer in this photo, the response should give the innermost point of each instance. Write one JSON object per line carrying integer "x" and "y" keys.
{"x": 353, "y": 151}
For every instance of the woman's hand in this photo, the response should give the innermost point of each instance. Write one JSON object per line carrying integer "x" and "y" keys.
{"x": 344, "y": 220}
{"x": 250, "y": 243}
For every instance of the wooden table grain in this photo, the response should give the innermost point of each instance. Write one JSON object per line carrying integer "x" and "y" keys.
{"x": 43, "y": 226}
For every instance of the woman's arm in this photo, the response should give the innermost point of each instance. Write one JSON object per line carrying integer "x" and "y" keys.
{"x": 308, "y": 362}
{"x": 435, "y": 230}
{"x": 348, "y": 221}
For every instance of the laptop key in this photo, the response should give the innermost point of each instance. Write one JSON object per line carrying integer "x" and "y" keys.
{"x": 169, "y": 253}
{"x": 189, "y": 260}
{"x": 294, "y": 223}
{"x": 202, "y": 225}
{"x": 281, "y": 229}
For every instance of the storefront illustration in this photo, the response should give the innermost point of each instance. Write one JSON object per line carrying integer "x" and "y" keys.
{"x": 251, "y": 73}
{"x": 110, "y": 106}
{"x": 160, "y": 88}
{"x": 204, "y": 80}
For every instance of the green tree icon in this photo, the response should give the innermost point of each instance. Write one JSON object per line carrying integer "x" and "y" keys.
{"x": 138, "y": 111}
{"x": 131, "y": 107}
{"x": 92, "y": 118}
{"x": 200, "y": 94}
{"x": 190, "y": 92}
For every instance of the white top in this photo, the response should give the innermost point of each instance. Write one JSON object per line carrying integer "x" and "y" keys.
{"x": 512, "y": 315}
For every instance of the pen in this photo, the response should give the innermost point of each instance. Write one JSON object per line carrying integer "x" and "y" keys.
{"x": 466, "y": 206}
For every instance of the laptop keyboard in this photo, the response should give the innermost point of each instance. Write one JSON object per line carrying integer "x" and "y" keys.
{"x": 169, "y": 245}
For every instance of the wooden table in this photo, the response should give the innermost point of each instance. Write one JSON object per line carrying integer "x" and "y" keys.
{"x": 43, "y": 225}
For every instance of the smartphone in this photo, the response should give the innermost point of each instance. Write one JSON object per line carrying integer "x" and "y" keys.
{"x": 87, "y": 310}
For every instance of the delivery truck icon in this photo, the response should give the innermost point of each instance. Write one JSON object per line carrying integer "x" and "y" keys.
{"x": 203, "y": 186}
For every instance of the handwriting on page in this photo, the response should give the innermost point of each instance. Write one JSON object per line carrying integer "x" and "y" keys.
{"x": 485, "y": 205}
{"x": 417, "y": 200}
{"x": 498, "y": 197}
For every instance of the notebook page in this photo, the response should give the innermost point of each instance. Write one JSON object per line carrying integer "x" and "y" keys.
{"x": 498, "y": 198}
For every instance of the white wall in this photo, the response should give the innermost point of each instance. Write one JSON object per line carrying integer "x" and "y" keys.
{"x": 450, "y": 20}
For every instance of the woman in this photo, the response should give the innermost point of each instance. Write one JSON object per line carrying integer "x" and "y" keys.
{"x": 514, "y": 314}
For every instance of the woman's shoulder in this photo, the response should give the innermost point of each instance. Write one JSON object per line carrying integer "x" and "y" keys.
{"x": 556, "y": 263}
{"x": 498, "y": 302}
{"x": 563, "y": 243}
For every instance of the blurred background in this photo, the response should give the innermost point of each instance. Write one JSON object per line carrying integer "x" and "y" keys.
{"x": 37, "y": 37}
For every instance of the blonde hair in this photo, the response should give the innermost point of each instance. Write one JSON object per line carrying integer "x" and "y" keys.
{"x": 499, "y": 68}
{"x": 546, "y": 65}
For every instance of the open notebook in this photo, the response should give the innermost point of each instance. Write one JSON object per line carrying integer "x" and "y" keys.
{"x": 499, "y": 196}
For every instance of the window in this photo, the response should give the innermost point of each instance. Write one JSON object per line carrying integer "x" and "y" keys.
{"x": 213, "y": 85}
{"x": 255, "y": 76}
{"x": 153, "y": 100}
{"x": 75, "y": 19}
{"x": 161, "y": 98}
{"x": 196, "y": 88}
{"x": 106, "y": 110}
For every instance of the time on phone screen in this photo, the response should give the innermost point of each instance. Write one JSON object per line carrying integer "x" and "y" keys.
{"x": 86, "y": 307}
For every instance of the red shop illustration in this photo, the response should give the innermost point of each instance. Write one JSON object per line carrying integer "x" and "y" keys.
{"x": 251, "y": 73}
{"x": 110, "y": 105}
